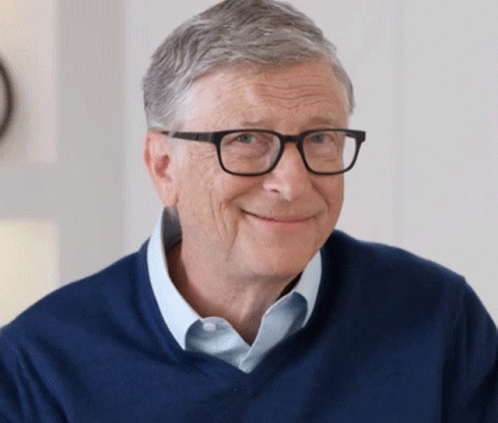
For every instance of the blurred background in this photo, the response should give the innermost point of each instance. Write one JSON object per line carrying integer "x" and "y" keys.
{"x": 74, "y": 196}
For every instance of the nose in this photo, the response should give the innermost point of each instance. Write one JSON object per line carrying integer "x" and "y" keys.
{"x": 289, "y": 178}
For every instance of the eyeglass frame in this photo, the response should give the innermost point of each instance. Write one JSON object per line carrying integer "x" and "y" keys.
{"x": 216, "y": 137}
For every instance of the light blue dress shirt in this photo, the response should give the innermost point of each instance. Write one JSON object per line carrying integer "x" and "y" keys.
{"x": 214, "y": 335}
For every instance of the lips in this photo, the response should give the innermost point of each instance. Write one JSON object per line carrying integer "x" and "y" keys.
{"x": 281, "y": 218}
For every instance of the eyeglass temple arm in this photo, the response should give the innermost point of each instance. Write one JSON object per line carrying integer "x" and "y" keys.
{"x": 199, "y": 136}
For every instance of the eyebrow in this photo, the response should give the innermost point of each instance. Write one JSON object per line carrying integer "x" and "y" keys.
{"x": 324, "y": 120}
{"x": 315, "y": 120}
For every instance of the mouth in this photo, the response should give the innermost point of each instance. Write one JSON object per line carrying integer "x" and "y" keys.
{"x": 285, "y": 220}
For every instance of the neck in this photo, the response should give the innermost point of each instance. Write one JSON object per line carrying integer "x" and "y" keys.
{"x": 210, "y": 292}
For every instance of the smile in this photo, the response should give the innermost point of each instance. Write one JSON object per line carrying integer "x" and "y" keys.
{"x": 284, "y": 220}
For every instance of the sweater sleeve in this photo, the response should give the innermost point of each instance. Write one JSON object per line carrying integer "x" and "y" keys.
{"x": 472, "y": 368}
{"x": 24, "y": 397}
{"x": 11, "y": 385}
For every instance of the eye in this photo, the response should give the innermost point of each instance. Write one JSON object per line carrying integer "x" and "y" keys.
{"x": 245, "y": 138}
{"x": 248, "y": 138}
{"x": 249, "y": 144}
{"x": 320, "y": 137}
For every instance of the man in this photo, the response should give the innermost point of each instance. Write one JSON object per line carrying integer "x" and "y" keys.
{"x": 244, "y": 305}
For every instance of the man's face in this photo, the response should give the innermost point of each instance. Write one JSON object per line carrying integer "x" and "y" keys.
{"x": 267, "y": 226}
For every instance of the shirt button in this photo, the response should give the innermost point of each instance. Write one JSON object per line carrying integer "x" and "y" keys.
{"x": 209, "y": 327}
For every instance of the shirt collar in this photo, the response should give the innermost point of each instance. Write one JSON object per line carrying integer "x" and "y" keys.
{"x": 175, "y": 310}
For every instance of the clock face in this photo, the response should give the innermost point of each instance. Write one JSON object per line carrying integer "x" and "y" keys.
{"x": 6, "y": 100}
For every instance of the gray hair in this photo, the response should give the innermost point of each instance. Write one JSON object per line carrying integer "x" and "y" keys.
{"x": 256, "y": 32}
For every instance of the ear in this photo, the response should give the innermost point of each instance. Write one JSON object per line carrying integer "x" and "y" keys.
{"x": 158, "y": 160}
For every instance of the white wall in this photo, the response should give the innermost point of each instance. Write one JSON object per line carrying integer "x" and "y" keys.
{"x": 450, "y": 152}
{"x": 60, "y": 164}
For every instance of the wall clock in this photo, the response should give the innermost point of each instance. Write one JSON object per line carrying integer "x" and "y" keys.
{"x": 6, "y": 100}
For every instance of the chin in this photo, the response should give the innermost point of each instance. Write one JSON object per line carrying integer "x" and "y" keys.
{"x": 279, "y": 267}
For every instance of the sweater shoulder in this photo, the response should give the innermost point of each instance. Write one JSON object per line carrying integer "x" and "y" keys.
{"x": 93, "y": 299}
{"x": 387, "y": 261}
{"x": 391, "y": 279}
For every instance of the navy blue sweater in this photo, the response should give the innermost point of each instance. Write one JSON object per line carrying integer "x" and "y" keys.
{"x": 393, "y": 338}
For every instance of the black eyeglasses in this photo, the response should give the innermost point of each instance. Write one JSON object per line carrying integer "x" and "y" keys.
{"x": 255, "y": 152}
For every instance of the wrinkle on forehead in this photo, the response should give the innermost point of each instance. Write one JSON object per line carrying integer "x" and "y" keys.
{"x": 243, "y": 94}
{"x": 291, "y": 96}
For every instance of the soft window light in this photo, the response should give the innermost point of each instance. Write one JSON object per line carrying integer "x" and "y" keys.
{"x": 28, "y": 264}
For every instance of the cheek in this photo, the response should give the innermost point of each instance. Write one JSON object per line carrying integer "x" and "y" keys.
{"x": 205, "y": 191}
{"x": 333, "y": 192}
{"x": 194, "y": 182}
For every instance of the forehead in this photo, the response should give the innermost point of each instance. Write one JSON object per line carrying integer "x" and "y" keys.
{"x": 244, "y": 95}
